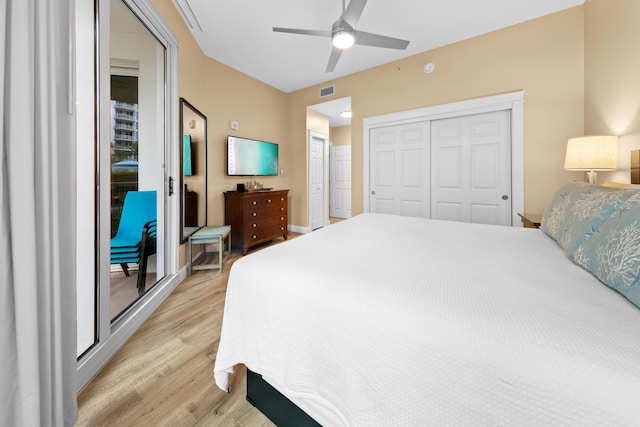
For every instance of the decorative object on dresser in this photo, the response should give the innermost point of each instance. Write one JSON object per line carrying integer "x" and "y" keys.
{"x": 255, "y": 217}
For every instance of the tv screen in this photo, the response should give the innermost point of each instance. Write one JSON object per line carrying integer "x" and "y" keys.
{"x": 187, "y": 158}
{"x": 247, "y": 157}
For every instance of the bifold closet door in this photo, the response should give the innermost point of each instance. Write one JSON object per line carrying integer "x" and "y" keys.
{"x": 471, "y": 168}
{"x": 399, "y": 170}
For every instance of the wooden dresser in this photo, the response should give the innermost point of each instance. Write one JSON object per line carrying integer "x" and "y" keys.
{"x": 255, "y": 217}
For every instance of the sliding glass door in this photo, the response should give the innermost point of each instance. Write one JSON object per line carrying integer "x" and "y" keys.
{"x": 126, "y": 125}
{"x": 136, "y": 151}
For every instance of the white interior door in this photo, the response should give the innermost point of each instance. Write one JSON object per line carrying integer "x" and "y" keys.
{"x": 340, "y": 181}
{"x": 317, "y": 143}
{"x": 399, "y": 170}
{"x": 471, "y": 168}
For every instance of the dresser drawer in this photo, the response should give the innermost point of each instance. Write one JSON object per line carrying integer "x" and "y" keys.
{"x": 266, "y": 201}
{"x": 266, "y": 222}
{"x": 253, "y": 213}
{"x": 265, "y": 233}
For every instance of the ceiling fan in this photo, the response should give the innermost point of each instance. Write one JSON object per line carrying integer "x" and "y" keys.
{"x": 343, "y": 33}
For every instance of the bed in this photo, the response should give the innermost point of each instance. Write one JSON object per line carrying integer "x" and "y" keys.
{"x": 388, "y": 320}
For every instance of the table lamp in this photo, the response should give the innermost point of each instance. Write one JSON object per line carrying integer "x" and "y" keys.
{"x": 592, "y": 154}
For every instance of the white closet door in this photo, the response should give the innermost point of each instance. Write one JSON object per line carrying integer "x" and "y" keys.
{"x": 399, "y": 166}
{"x": 471, "y": 168}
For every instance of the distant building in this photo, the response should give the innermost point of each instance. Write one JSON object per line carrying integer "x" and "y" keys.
{"x": 124, "y": 131}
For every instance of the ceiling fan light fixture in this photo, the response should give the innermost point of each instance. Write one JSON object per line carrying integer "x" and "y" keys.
{"x": 343, "y": 33}
{"x": 343, "y": 39}
{"x": 346, "y": 114}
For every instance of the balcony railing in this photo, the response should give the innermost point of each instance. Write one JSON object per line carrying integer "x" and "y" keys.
{"x": 123, "y": 147}
{"x": 126, "y": 105}
{"x": 124, "y": 137}
{"x": 122, "y": 116}
{"x": 118, "y": 191}
{"x": 123, "y": 126}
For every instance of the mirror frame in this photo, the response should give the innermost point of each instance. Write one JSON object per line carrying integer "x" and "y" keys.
{"x": 184, "y": 104}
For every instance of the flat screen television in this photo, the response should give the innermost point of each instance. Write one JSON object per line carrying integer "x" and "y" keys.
{"x": 187, "y": 158}
{"x": 250, "y": 157}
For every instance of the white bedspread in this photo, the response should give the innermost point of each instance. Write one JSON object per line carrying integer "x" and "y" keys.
{"x": 383, "y": 320}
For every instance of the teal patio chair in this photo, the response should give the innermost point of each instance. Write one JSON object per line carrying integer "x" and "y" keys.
{"x": 135, "y": 240}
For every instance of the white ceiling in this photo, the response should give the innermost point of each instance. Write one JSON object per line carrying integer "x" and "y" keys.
{"x": 332, "y": 109}
{"x": 239, "y": 33}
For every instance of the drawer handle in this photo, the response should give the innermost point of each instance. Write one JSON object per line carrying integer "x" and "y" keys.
{"x": 254, "y": 202}
{"x": 269, "y": 201}
{"x": 254, "y": 236}
{"x": 255, "y": 225}
{"x": 281, "y": 228}
{"x": 255, "y": 213}
{"x": 281, "y": 209}
{"x": 281, "y": 199}
{"x": 281, "y": 218}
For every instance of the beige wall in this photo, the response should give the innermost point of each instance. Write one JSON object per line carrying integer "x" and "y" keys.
{"x": 340, "y": 135}
{"x": 579, "y": 69}
{"x": 224, "y": 94}
{"x": 544, "y": 57}
{"x": 612, "y": 76}
{"x": 317, "y": 122}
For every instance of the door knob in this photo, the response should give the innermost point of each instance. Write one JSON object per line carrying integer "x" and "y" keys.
{"x": 373, "y": 193}
{"x": 505, "y": 197}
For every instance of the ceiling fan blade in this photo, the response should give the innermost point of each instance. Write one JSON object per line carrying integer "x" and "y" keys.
{"x": 377, "y": 40}
{"x": 333, "y": 59}
{"x": 319, "y": 33}
{"x": 353, "y": 12}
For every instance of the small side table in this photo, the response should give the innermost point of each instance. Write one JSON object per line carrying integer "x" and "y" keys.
{"x": 208, "y": 235}
{"x": 530, "y": 220}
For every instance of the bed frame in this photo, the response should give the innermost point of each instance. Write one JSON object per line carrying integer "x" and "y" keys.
{"x": 274, "y": 405}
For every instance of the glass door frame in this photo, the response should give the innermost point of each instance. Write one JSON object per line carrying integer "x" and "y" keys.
{"x": 110, "y": 337}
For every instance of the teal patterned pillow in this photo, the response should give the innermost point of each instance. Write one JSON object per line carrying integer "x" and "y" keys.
{"x": 577, "y": 210}
{"x": 612, "y": 253}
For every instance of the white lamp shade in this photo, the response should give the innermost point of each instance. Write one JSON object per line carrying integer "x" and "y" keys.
{"x": 592, "y": 153}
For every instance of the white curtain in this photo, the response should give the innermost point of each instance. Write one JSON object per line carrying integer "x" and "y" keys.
{"x": 37, "y": 214}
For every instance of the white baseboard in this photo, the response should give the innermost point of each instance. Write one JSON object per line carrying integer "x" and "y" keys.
{"x": 298, "y": 229}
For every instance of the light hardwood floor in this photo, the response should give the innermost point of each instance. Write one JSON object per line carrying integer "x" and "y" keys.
{"x": 124, "y": 290}
{"x": 163, "y": 375}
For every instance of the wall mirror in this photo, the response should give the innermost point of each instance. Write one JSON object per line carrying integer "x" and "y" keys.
{"x": 193, "y": 168}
